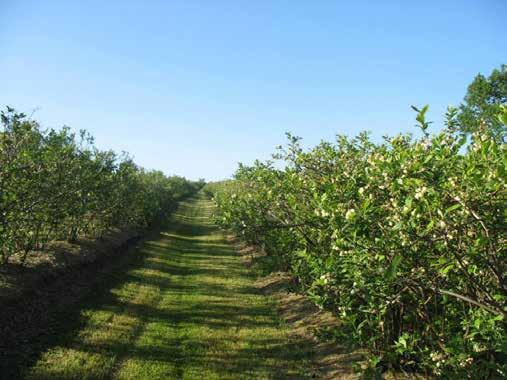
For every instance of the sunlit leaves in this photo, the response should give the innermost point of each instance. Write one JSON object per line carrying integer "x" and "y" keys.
{"x": 56, "y": 185}
{"x": 404, "y": 239}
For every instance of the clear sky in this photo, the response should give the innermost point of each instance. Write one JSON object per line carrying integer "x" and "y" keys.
{"x": 194, "y": 87}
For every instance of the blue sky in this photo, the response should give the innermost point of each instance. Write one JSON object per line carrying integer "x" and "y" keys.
{"x": 194, "y": 87}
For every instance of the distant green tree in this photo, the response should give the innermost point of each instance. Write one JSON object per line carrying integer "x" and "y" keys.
{"x": 483, "y": 103}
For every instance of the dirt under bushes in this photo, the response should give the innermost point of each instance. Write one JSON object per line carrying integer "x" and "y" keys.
{"x": 36, "y": 299}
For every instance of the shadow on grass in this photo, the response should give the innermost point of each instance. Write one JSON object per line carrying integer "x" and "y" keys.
{"x": 192, "y": 277}
{"x": 55, "y": 313}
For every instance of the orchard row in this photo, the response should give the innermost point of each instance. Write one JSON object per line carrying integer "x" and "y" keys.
{"x": 56, "y": 185}
{"x": 404, "y": 240}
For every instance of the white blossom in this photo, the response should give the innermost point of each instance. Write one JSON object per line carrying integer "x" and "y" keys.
{"x": 351, "y": 213}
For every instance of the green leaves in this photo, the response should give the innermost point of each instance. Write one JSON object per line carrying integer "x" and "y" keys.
{"x": 483, "y": 108}
{"x": 388, "y": 224}
{"x": 393, "y": 267}
{"x": 57, "y": 186}
{"x": 502, "y": 117}
{"x": 421, "y": 118}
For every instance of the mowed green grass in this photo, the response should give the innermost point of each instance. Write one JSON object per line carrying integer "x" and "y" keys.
{"x": 189, "y": 311}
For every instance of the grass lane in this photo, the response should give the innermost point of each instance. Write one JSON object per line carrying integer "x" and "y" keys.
{"x": 189, "y": 311}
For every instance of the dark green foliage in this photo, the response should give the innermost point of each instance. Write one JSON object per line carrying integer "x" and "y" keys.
{"x": 405, "y": 240}
{"x": 483, "y": 102}
{"x": 55, "y": 185}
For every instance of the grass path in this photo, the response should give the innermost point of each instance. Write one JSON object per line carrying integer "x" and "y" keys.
{"x": 188, "y": 311}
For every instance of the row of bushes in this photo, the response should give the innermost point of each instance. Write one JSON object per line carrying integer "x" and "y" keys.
{"x": 404, "y": 240}
{"x": 56, "y": 185}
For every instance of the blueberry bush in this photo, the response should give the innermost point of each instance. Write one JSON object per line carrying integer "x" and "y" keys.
{"x": 405, "y": 240}
{"x": 56, "y": 185}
